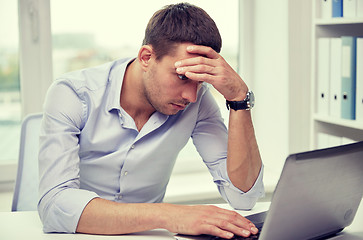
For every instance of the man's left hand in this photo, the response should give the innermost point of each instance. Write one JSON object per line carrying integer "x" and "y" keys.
{"x": 212, "y": 68}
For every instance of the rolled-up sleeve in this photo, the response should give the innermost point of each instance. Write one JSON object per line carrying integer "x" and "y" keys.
{"x": 210, "y": 137}
{"x": 61, "y": 201}
{"x": 235, "y": 197}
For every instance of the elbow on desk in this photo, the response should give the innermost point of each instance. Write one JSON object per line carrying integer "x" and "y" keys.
{"x": 53, "y": 220}
{"x": 246, "y": 205}
{"x": 241, "y": 201}
{"x": 60, "y": 213}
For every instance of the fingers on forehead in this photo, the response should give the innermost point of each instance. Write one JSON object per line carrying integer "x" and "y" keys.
{"x": 202, "y": 50}
{"x": 196, "y": 61}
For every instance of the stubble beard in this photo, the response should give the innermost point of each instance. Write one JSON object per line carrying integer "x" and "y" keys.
{"x": 152, "y": 94}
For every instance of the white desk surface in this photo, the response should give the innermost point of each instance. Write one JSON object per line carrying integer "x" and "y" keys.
{"x": 27, "y": 225}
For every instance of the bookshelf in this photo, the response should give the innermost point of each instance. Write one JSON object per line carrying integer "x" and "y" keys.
{"x": 325, "y": 126}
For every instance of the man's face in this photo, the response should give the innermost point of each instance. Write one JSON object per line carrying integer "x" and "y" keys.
{"x": 164, "y": 89}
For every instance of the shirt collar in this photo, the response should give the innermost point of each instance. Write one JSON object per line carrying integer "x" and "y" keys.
{"x": 115, "y": 79}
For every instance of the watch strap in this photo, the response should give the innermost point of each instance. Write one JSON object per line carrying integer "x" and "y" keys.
{"x": 237, "y": 105}
{"x": 246, "y": 104}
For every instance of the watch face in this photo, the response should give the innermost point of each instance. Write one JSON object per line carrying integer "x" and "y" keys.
{"x": 251, "y": 99}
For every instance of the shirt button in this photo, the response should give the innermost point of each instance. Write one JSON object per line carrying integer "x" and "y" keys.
{"x": 126, "y": 173}
{"x": 133, "y": 146}
{"x": 119, "y": 197}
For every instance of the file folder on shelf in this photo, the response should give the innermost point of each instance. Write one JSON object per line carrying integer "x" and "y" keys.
{"x": 359, "y": 81}
{"x": 337, "y": 8}
{"x": 359, "y": 8}
{"x": 349, "y": 8}
{"x": 323, "y": 72}
{"x": 325, "y": 140}
{"x": 325, "y": 9}
{"x": 348, "y": 77}
{"x": 335, "y": 77}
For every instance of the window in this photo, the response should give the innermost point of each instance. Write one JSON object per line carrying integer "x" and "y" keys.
{"x": 10, "y": 102}
{"x": 114, "y": 29}
{"x": 87, "y": 33}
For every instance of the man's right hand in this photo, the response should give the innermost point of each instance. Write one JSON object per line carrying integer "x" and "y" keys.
{"x": 102, "y": 216}
{"x": 207, "y": 219}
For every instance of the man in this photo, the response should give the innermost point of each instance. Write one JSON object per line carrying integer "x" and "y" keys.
{"x": 110, "y": 136}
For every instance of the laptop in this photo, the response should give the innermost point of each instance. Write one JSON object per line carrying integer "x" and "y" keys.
{"x": 317, "y": 196}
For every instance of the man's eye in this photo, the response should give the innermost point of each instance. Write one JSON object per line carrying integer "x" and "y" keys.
{"x": 182, "y": 77}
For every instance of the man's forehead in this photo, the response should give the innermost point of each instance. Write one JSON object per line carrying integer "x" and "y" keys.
{"x": 180, "y": 51}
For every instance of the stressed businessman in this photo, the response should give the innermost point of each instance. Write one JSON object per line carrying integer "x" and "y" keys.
{"x": 110, "y": 136}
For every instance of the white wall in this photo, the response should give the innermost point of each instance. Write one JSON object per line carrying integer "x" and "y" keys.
{"x": 300, "y": 31}
{"x": 275, "y": 62}
{"x": 264, "y": 65}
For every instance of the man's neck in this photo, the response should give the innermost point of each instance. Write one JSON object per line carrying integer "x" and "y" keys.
{"x": 132, "y": 99}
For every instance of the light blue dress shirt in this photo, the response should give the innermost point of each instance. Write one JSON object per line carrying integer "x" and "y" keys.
{"x": 90, "y": 147}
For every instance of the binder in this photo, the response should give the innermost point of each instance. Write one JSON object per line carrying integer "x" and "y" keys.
{"x": 359, "y": 8}
{"x": 326, "y": 140}
{"x": 349, "y": 8}
{"x": 335, "y": 77}
{"x": 334, "y": 141}
{"x": 323, "y": 75}
{"x": 337, "y": 8}
{"x": 347, "y": 140}
{"x": 325, "y": 9}
{"x": 323, "y": 140}
{"x": 359, "y": 80}
{"x": 348, "y": 77}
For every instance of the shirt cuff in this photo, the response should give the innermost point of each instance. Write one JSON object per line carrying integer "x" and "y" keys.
{"x": 235, "y": 197}
{"x": 63, "y": 213}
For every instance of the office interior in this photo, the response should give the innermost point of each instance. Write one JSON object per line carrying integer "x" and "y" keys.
{"x": 270, "y": 43}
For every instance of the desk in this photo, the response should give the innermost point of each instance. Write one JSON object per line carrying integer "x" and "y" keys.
{"x": 27, "y": 225}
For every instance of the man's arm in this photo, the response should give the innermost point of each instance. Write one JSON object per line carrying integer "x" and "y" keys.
{"x": 106, "y": 217}
{"x": 243, "y": 157}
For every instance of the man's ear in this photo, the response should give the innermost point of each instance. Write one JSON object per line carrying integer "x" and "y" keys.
{"x": 145, "y": 55}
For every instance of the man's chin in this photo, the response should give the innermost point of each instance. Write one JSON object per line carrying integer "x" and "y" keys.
{"x": 170, "y": 111}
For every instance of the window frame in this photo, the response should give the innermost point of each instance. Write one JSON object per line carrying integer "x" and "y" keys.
{"x": 36, "y": 65}
{"x": 35, "y": 49}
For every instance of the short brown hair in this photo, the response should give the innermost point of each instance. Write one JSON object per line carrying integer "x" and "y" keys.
{"x": 178, "y": 23}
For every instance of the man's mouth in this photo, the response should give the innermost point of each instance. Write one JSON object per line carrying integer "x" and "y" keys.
{"x": 180, "y": 106}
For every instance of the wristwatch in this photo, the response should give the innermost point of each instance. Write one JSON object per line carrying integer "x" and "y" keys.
{"x": 246, "y": 104}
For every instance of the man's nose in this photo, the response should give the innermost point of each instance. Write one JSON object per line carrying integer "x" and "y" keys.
{"x": 190, "y": 91}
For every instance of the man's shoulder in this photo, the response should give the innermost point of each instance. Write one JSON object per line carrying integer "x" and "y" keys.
{"x": 91, "y": 78}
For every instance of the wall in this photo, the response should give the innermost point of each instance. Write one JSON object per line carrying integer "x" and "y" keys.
{"x": 264, "y": 66}
{"x": 275, "y": 62}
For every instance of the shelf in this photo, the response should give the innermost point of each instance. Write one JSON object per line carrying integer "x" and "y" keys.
{"x": 340, "y": 122}
{"x": 333, "y": 127}
{"x": 338, "y": 21}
